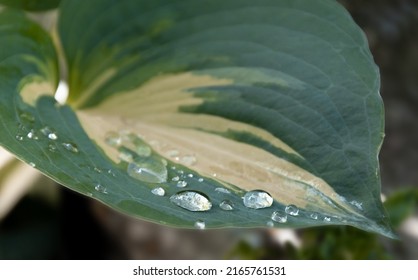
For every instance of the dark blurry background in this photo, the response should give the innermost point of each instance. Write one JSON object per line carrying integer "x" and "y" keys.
{"x": 79, "y": 228}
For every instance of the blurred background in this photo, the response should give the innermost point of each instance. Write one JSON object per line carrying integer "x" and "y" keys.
{"x": 51, "y": 222}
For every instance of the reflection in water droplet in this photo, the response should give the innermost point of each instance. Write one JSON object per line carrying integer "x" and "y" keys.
{"x": 292, "y": 210}
{"x": 257, "y": 199}
{"x": 158, "y": 191}
{"x": 279, "y": 217}
{"x": 314, "y": 216}
{"x": 150, "y": 170}
{"x": 192, "y": 201}
{"x": 48, "y": 132}
{"x": 181, "y": 184}
{"x": 221, "y": 190}
{"x": 100, "y": 189}
{"x": 70, "y": 147}
{"x": 200, "y": 224}
{"x": 32, "y": 164}
{"x": 113, "y": 139}
{"x": 226, "y": 205}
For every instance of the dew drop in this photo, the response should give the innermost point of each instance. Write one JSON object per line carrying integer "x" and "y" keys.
{"x": 19, "y": 137}
{"x": 221, "y": 190}
{"x": 110, "y": 172}
{"x": 199, "y": 224}
{"x": 32, "y": 135}
{"x": 52, "y": 148}
{"x": 126, "y": 156}
{"x": 188, "y": 160}
{"x": 327, "y": 219}
{"x": 357, "y": 204}
{"x": 143, "y": 150}
{"x": 200, "y": 180}
{"x": 192, "y": 201}
{"x": 314, "y": 216}
{"x": 98, "y": 170}
{"x": 158, "y": 191}
{"x": 226, "y": 205}
{"x": 48, "y": 132}
{"x": 181, "y": 184}
{"x": 32, "y": 164}
{"x": 292, "y": 210}
{"x": 113, "y": 139}
{"x": 279, "y": 217}
{"x": 270, "y": 224}
{"x": 150, "y": 170}
{"x": 100, "y": 188}
{"x": 257, "y": 199}
{"x": 175, "y": 179}
{"x": 190, "y": 175}
{"x": 70, "y": 147}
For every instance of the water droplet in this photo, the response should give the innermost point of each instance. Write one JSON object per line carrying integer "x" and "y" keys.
{"x": 150, "y": 170}
{"x": 192, "y": 201}
{"x": 126, "y": 156}
{"x": 270, "y": 224}
{"x": 226, "y": 205}
{"x": 52, "y": 148}
{"x": 70, "y": 147}
{"x": 32, "y": 164}
{"x": 19, "y": 137}
{"x": 143, "y": 150}
{"x": 181, "y": 172}
{"x": 113, "y": 139}
{"x": 279, "y": 217}
{"x": 98, "y": 170}
{"x": 190, "y": 175}
{"x": 48, "y": 132}
{"x": 358, "y": 205}
{"x": 314, "y": 216}
{"x": 32, "y": 135}
{"x": 181, "y": 184}
{"x": 221, "y": 190}
{"x": 188, "y": 160}
{"x": 200, "y": 224}
{"x": 257, "y": 199}
{"x": 175, "y": 179}
{"x": 292, "y": 210}
{"x": 158, "y": 191}
{"x": 200, "y": 180}
{"x": 100, "y": 188}
{"x": 110, "y": 171}
{"x": 327, "y": 219}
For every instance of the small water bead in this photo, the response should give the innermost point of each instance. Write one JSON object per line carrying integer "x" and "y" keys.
{"x": 199, "y": 224}
{"x": 357, "y": 204}
{"x": 126, "y": 156}
{"x": 32, "y": 135}
{"x": 175, "y": 179}
{"x": 52, "y": 148}
{"x": 70, "y": 147}
{"x": 48, "y": 132}
{"x": 150, "y": 170}
{"x": 110, "y": 172}
{"x": 314, "y": 216}
{"x": 226, "y": 205}
{"x": 100, "y": 188}
{"x": 270, "y": 224}
{"x": 257, "y": 199}
{"x": 190, "y": 175}
{"x": 158, "y": 191}
{"x": 327, "y": 219}
{"x": 98, "y": 170}
{"x": 181, "y": 184}
{"x": 32, "y": 164}
{"x": 279, "y": 217}
{"x": 192, "y": 201}
{"x": 220, "y": 190}
{"x": 200, "y": 180}
{"x": 113, "y": 139}
{"x": 19, "y": 137}
{"x": 143, "y": 150}
{"x": 292, "y": 210}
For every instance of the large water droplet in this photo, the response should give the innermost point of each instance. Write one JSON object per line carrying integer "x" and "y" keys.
{"x": 100, "y": 188}
{"x": 257, "y": 199}
{"x": 226, "y": 205}
{"x": 158, "y": 191}
{"x": 113, "y": 139}
{"x": 279, "y": 217}
{"x": 181, "y": 184}
{"x": 150, "y": 170}
{"x": 292, "y": 210}
{"x": 199, "y": 224}
{"x": 192, "y": 201}
{"x": 70, "y": 147}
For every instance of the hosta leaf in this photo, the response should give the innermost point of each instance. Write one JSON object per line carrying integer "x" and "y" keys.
{"x": 201, "y": 113}
{"x": 31, "y": 5}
